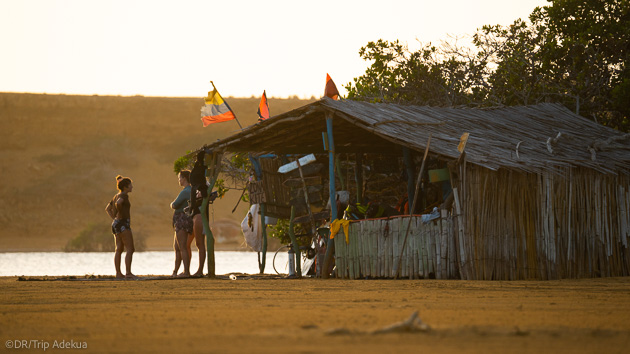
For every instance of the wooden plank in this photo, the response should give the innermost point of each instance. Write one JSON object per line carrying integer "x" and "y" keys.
{"x": 338, "y": 258}
{"x": 390, "y": 250}
{"x": 413, "y": 267}
{"x": 395, "y": 250}
{"x": 438, "y": 251}
{"x": 444, "y": 249}
{"x": 415, "y": 260}
{"x": 410, "y": 250}
{"x": 374, "y": 251}
{"x": 356, "y": 253}
{"x": 365, "y": 232}
{"x": 350, "y": 257}
{"x": 294, "y": 165}
{"x": 452, "y": 248}
{"x": 460, "y": 237}
{"x": 420, "y": 250}
{"x": 387, "y": 251}
{"x": 432, "y": 251}
{"x": 380, "y": 246}
{"x": 403, "y": 249}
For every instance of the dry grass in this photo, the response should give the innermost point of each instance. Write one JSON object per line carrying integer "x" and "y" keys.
{"x": 60, "y": 155}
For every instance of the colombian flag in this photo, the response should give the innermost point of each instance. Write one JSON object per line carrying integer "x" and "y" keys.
{"x": 216, "y": 109}
{"x": 263, "y": 108}
{"x": 331, "y": 89}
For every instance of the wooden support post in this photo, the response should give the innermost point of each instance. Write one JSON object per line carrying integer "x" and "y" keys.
{"x": 263, "y": 225}
{"x": 332, "y": 193}
{"x": 296, "y": 246}
{"x": 213, "y": 173}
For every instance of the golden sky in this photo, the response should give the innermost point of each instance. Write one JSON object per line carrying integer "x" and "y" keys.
{"x": 174, "y": 48}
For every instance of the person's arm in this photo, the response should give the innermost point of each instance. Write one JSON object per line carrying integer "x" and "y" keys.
{"x": 120, "y": 201}
{"x": 181, "y": 200}
{"x": 110, "y": 209}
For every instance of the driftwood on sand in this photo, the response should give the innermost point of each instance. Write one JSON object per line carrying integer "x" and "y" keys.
{"x": 411, "y": 324}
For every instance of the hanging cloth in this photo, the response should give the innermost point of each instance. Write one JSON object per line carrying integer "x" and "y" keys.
{"x": 336, "y": 225}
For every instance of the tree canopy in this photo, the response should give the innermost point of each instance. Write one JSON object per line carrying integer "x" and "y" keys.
{"x": 575, "y": 52}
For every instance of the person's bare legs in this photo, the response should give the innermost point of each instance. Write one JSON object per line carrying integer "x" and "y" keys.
{"x": 188, "y": 244}
{"x": 182, "y": 239}
{"x": 178, "y": 255}
{"x": 127, "y": 239}
{"x": 200, "y": 243}
{"x": 120, "y": 247}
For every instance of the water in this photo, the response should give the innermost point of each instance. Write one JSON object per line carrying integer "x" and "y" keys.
{"x": 102, "y": 263}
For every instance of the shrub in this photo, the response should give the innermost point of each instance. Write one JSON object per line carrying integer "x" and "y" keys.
{"x": 97, "y": 237}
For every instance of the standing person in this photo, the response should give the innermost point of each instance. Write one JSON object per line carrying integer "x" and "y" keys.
{"x": 183, "y": 225}
{"x": 198, "y": 191}
{"x": 121, "y": 227}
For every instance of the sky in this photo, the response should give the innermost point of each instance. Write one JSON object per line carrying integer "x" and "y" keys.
{"x": 175, "y": 48}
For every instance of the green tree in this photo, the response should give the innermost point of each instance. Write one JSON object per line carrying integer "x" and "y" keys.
{"x": 574, "y": 52}
{"x": 593, "y": 47}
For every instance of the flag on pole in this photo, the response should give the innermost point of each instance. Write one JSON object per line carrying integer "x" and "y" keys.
{"x": 216, "y": 110}
{"x": 263, "y": 108}
{"x": 331, "y": 89}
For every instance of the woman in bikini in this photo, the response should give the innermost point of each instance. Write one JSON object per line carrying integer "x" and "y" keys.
{"x": 121, "y": 227}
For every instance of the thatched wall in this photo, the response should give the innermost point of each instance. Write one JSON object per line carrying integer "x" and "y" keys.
{"x": 545, "y": 226}
{"x": 511, "y": 226}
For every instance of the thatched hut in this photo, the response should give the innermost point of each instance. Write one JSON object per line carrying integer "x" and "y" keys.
{"x": 538, "y": 193}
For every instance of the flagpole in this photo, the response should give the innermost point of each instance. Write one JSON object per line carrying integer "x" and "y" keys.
{"x": 224, "y": 101}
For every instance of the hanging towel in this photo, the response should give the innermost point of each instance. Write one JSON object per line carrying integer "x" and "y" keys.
{"x": 336, "y": 225}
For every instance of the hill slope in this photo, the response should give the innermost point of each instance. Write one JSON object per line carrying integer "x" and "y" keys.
{"x": 60, "y": 155}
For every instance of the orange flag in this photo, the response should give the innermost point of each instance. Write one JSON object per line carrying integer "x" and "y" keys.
{"x": 331, "y": 89}
{"x": 263, "y": 108}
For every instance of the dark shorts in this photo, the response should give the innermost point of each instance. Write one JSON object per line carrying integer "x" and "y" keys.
{"x": 182, "y": 221}
{"x": 120, "y": 225}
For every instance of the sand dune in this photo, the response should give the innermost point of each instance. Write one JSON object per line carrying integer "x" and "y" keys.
{"x": 60, "y": 155}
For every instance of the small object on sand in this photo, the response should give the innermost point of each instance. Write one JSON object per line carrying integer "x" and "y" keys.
{"x": 412, "y": 324}
{"x": 520, "y": 332}
{"x": 338, "y": 332}
{"x": 232, "y": 277}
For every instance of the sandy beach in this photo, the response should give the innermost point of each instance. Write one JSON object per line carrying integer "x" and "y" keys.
{"x": 269, "y": 314}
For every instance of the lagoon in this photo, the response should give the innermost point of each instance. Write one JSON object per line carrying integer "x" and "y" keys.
{"x": 102, "y": 263}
